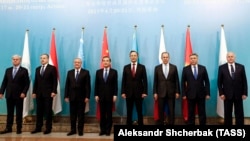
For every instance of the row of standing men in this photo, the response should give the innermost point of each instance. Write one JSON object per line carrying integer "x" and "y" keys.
{"x": 195, "y": 85}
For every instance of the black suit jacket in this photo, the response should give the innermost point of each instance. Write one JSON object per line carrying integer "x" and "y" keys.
{"x": 46, "y": 84}
{"x": 17, "y": 85}
{"x": 134, "y": 85}
{"x": 195, "y": 88}
{"x": 106, "y": 90}
{"x": 163, "y": 86}
{"x": 77, "y": 89}
{"x": 229, "y": 86}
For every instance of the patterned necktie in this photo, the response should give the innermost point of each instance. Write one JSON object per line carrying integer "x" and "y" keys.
{"x": 106, "y": 75}
{"x": 14, "y": 72}
{"x": 133, "y": 70}
{"x": 195, "y": 72}
{"x": 232, "y": 71}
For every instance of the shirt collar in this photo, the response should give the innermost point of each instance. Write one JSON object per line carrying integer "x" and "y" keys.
{"x": 78, "y": 70}
{"x": 45, "y": 65}
{"x": 106, "y": 68}
{"x": 134, "y": 63}
{"x": 165, "y": 64}
{"x": 16, "y": 66}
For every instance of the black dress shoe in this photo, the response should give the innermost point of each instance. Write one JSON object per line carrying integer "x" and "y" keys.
{"x": 108, "y": 133}
{"x": 80, "y": 133}
{"x": 36, "y": 131}
{"x": 102, "y": 133}
{"x": 71, "y": 133}
{"x": 18, "y": 131}
{"x": 6, "y": 131}
{"x": 47, "y": 132}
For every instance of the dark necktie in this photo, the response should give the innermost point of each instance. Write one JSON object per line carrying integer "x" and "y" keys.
{"x": 195, "y": 72}
{"x": 42, "y": 70}
{"x": 106, "y": 75}
{"x": 14, "y": 72}
{"x": 133, "y": 70}
{"x": 77, "y": 74}
{"x": 232, "y": 71}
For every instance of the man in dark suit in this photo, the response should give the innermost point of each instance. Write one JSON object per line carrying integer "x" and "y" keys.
{"x": 106, "y": 88}
{"x": 134, "y": 87}
{"x": 166, "y": 88}
{"x": 196, "y": 88}
{"x": 44, "y": 91}
{"x": 77, "y": 93}
{"x": 233, "y": 89}
{"x": 16, "y": 83}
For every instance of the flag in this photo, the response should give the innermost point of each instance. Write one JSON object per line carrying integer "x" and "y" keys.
{"x": 222, "y": 60}
{"x": 135, "y": 48}
{"x": 105, "y": 52}
{"x": 28, "y": 104}
{"x": 57, "y": 106}
{"x": 81, "y": 56}
{"x": 162, "y": 48}
{"x": 188, "y": 52}
{"x": 134, "y": 42}
{"x": 105, "y": 47}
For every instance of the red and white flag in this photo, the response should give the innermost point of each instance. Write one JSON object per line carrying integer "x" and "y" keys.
{"x": 57, "y": 106}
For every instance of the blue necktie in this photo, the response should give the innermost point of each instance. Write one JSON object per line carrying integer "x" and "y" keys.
{"x": 106, "y": 75}
{"x": 195, "y": 72}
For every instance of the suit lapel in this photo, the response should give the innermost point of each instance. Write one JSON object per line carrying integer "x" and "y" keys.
{"x": 228, "y": 71}
{"x": 198, "y": 71}
{"x": 191, "y": 71}
{"x": 161, "y": 70}
{"x": 102, "y": 75}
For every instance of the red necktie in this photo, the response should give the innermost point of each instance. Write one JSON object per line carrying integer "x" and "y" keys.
{"x": 133, "y": 70}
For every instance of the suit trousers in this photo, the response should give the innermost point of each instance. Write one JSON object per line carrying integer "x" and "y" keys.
{"x": 44, "y": 109}
{"x": 106, "y": 120}
{"x": 138, "y": 105}
{"x": 237, "y": 104}
{"x": 200, "y": 102}
{"x": 77, "y": 113}
{"x": 13, "y": 103}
